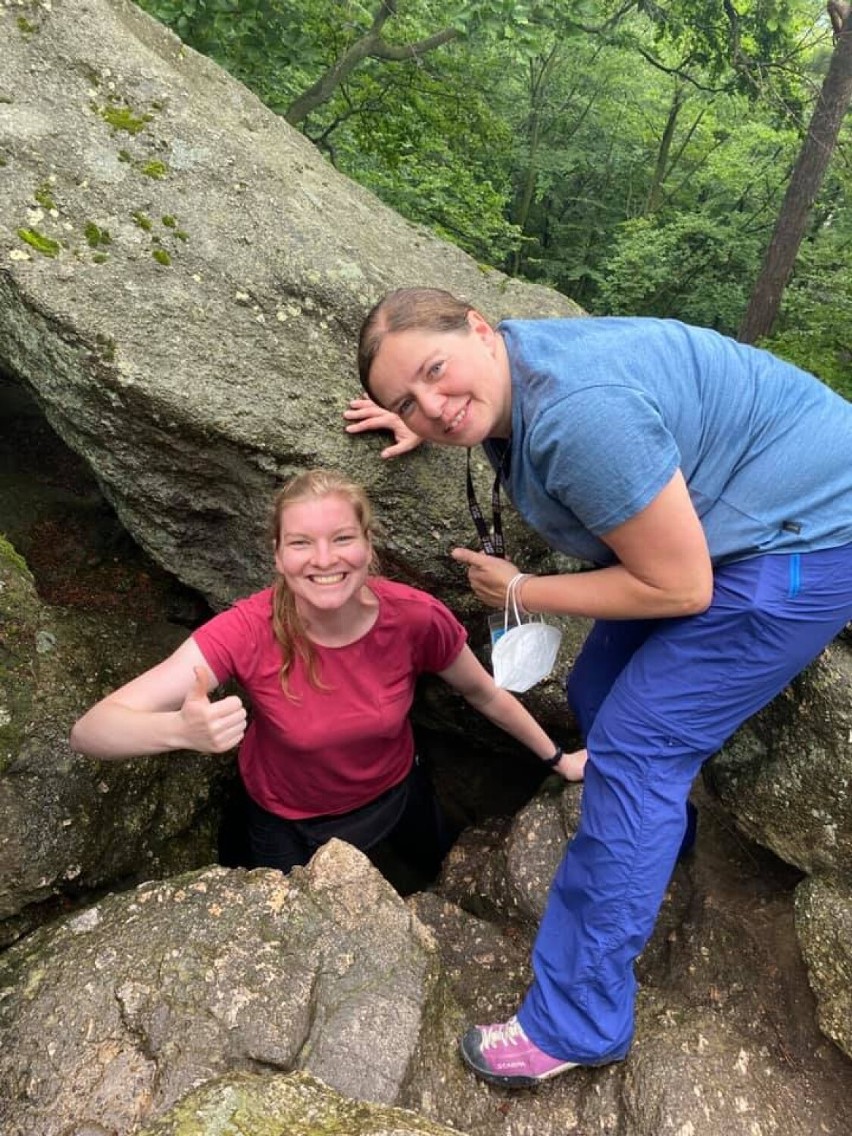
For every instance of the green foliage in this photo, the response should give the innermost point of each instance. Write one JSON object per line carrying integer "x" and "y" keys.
{"x": 433, "y": 158}
{"x": 276, "y": 47}
{"x": 633, "y": 156}
{"x": 421, "y": 135}
{"x": 814, "y": 329}
{"x": 44, "y": 196}
{"x": 740, "y": 46}
{"x": 96, "y": 236}
{"x": 155, "y": 169}
{"x": 10, "y": 556}
{"x": 696, "y": 256}
{"x": 626, "y": 154}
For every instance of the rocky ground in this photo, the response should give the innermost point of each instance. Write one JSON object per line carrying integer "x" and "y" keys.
{"x": 725, "y": 953}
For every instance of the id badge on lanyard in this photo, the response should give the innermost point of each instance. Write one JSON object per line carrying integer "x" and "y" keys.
{"x": 524, "y": 648}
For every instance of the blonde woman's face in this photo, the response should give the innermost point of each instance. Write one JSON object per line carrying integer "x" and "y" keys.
{"x": 322, "y": 552}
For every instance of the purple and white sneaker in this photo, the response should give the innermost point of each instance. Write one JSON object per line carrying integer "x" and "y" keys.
{"x": 504, "y": 1055}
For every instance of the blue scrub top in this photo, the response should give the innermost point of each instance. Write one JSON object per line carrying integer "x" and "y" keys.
{"x": 606, "y": 409}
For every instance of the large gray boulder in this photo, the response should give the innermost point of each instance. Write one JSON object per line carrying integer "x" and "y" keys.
{"x": 294, "y": 1104}
{"x": 70, "y": 825}
{"x": 787, "y": 774}
{"x": 181, "y": 282}
{"x": 824, "y": 925}
{"x": 182, "y": 278}
{"x": 111, "y": 1017}
{"x": 187, "y": 1006}
{"x": 786, "y": 777}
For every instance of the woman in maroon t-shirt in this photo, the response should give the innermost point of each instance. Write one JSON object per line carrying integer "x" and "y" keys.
{"x": 328, "y": 656}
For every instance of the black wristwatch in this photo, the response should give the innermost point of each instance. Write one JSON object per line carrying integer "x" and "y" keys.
{"x": 557, "y": 757}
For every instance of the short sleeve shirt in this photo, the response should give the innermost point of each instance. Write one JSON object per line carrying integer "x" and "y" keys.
{"x": 605, "y": 410}
{"x": 330, "y": 750}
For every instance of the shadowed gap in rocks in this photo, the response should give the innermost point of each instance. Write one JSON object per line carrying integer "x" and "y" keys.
{"x": 54, "y": 512}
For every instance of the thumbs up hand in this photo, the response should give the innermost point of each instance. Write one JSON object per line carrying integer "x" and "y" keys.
{"x": 211, "y": 727}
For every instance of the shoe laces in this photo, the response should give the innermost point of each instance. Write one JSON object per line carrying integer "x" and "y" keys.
{"x": 503, "y": 1033}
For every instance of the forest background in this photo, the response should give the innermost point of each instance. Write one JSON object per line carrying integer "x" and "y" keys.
{"x": 637, "y": 156}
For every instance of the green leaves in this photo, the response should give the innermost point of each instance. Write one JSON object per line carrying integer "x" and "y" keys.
{"x": 634, "y": 156}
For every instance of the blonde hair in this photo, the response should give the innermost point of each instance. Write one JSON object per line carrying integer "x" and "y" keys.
{"x": 408, "y": 309}
{"x": 287, "y": 625}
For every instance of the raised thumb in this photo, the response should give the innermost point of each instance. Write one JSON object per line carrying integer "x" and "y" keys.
{"x": 200, "y": 686}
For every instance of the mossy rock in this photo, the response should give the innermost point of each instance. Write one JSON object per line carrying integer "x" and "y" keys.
{"x": 10, "y": 558}
{"x": 19, "y": 612}
{"x": 294, "y": 1104}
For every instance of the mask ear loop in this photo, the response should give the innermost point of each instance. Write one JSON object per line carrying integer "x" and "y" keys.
{"x": 509, "y": 591}
{"x": 511, "y": 597}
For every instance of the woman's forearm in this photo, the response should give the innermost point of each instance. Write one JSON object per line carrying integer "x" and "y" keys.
{"x": 166, "y": 708}
{"x": 112, "y": 731}
{"x": 505, "y": 711}
{"x": 662, "y": 569}
{"x": 610, "y": 593}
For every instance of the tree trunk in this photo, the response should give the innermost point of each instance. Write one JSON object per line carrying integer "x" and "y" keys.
{"x": 655, "y": 193}
{"x": 538, "y": 90}
{"x": 805, "y": 183}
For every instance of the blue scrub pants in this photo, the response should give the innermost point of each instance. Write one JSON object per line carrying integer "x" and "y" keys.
{"x": 655, "y": 699}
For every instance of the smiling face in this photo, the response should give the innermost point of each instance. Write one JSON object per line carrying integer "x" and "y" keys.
{"x": 323, "y": 553}
{"x": 450, "y": 387}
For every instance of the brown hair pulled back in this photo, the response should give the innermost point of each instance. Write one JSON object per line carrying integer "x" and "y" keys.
{"x": 287, "y": 625}
{"x": 408, "y": 309}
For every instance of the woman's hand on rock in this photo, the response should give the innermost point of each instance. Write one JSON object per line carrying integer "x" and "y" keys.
{"x": 363, "y": 414}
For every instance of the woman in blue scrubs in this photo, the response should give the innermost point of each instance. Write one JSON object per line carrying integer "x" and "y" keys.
{"x": 710, "y": 485}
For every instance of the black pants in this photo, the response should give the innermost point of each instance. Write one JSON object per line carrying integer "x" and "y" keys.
{"x": 408, "y": 817}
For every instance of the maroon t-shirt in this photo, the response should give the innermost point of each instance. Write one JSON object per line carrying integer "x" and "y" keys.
{"x": 334, "y": 749}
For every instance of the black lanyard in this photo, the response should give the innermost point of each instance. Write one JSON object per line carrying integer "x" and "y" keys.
{"x": 492, "y": 542}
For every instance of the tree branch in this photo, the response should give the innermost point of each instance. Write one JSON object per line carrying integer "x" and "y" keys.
{"x": 369, "y": 46}
{"x": 404, "y": 51}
